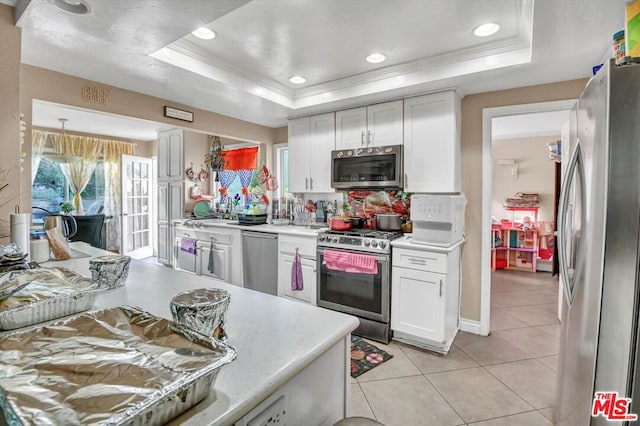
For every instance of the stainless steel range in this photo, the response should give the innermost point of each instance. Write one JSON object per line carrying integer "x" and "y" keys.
{"x": 354, "y": 277}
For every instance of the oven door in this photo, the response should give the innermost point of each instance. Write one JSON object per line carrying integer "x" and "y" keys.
{"x": 359, "y": 294}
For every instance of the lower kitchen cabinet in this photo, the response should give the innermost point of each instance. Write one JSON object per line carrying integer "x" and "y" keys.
{"x": 425, "y": 297}
{"x": 219, "y": 254}
{"x": 306, "y": 247}
{"x": 226, "y": 245}
{"x": 164, "y": 243}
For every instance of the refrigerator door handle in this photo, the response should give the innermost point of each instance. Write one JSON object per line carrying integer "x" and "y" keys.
{"x": 564, "y": 209}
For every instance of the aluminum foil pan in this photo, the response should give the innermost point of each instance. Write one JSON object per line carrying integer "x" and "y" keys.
{"x": 110, "y": 270}
{"x": 203, "y": 310}
{"x": 117, "y": 366}
{"x": 44, "y": 294}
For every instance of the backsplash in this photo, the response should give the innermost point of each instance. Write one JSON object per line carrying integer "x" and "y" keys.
{"x": 367, "y": 203}
{"x": 364, "y": 203}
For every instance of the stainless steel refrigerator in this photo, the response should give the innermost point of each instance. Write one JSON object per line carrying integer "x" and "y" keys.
{"x": 599, "y": 239}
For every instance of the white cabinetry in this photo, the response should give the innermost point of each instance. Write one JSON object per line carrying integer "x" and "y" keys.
{"x": 317, "y": 395}
{"x": 226, "y": 245}
{"x": 219, "y": 253}
{"x": 432, "y": 143}
{"x": 374, "y": 125}
{"x": 171, "y": 154}
{"x": 425, "y": 297}
{"x": 306, "y": 247}
{"x": 170, "y": 189}
{"x": 311, "y": 140}
{"x": 170, "y": 202}
{"x": 164, "y": 243}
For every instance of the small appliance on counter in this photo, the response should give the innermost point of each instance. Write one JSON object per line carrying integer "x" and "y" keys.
{"x": 437, "y": 219}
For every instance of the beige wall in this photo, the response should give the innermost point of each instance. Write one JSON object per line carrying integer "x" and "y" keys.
{"x": 9, "y": 117}
{"x": 195, "y": 148}
{"x": 281, "y": 135}
{"x": 42, "y": 84}
{"x": 536, "y": 173}
{"x": 472, "y": 107}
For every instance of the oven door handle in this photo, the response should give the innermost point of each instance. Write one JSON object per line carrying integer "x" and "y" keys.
{"x": 379, "y": 258}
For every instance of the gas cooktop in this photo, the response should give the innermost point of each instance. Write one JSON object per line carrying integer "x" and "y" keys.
{"x": 369, "y": 240}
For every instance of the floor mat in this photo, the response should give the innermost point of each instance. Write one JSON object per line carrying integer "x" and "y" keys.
{"x": 365, "y": 356}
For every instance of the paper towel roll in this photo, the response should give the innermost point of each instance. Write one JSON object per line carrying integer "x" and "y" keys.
{"x": 19, "y": 225}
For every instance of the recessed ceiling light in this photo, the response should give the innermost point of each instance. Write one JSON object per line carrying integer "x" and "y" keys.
{"x": 78, "y": 7}
{"x": 376, "y": 58}
{"x": 486, "y": 30}
{"x": 204, "y": 33}
{"x": 297, "y": 79}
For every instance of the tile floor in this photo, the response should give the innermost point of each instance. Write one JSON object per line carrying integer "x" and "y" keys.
{"x": 507, "y": 378}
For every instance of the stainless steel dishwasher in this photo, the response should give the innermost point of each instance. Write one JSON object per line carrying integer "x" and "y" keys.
{"x": 260, "y": 261}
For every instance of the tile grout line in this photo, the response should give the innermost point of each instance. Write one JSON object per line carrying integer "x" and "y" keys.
{"x": 514, "y": 392}
{"x": 367, "y": 400}
{"x": 502, "y": 417}
{"x": 445, "y": 399}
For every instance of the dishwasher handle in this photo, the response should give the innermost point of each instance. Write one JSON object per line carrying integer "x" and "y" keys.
{"x": 264, "y": 235}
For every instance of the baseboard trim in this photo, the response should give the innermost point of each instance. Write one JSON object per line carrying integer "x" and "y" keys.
{"x": 470, "y": 326}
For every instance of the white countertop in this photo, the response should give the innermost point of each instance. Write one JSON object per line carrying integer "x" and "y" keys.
{"x": 274, "y": 229}
{"x": 406, "y": 241}
{"x": 276, "y": 338}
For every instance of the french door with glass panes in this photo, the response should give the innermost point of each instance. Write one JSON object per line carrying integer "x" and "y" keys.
{"x": 136, "y": 206}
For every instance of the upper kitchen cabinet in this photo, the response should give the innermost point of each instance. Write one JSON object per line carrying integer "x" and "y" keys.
{"x": 171, "y": 154}
{"x": 432, "y": 143}
{"x": 374, "y": 125}
{"x": 311, "y": 140}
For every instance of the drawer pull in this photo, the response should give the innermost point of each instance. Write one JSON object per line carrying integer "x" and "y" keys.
{"x": 419, "y": 261}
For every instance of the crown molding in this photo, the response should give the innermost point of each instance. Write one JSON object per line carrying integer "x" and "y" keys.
{"x": 503, "y": 53}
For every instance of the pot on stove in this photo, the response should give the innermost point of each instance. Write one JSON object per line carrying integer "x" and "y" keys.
{"x": 341, "y": 223}
{"x": 388, "y": 222}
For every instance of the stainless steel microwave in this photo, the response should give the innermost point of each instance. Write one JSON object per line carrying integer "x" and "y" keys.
{"x": 378, "y": 167}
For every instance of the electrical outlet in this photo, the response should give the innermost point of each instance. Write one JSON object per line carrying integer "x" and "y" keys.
{"x": 275, "y": 414}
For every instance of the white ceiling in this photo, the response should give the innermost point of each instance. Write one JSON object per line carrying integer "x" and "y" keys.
{"x": 146, "y": 46}
{"x": 528, "y": 125}
{"x": 46, "y": 114}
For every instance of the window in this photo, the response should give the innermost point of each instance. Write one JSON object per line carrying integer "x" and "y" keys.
{"x": 234, "y": 190}
{"x": 50, "y": 188}
{"x": 281, "y": 156}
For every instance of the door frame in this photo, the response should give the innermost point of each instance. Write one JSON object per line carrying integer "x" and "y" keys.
{"x": 487, "y": 183}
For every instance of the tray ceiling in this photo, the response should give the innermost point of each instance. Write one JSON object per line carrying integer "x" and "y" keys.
{"x": 147, "y": 46}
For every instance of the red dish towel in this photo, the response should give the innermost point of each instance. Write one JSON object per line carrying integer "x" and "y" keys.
{"x": 350, "y": 262}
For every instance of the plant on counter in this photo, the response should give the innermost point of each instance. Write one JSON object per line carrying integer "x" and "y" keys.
{"x": 67, "y": 207}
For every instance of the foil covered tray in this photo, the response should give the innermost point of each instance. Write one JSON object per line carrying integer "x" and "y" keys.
{"x": 41, "y": 294}
{"x": 116, "y": 366}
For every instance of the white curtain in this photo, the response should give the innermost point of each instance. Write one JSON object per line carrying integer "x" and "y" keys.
{"x": 38, "y": 140}
{"x": 79, "y": 171}
{"x": 113, "y": 152}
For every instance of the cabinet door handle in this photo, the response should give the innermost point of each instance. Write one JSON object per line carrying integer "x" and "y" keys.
{"x": 362, "y": 138}
{"x": 440, "y": 288}
{"x": 406, "y": 180}
{"x": 306, "y": 183}
{"x": 368, "y": 137}
{"x": 310, "y": 183}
